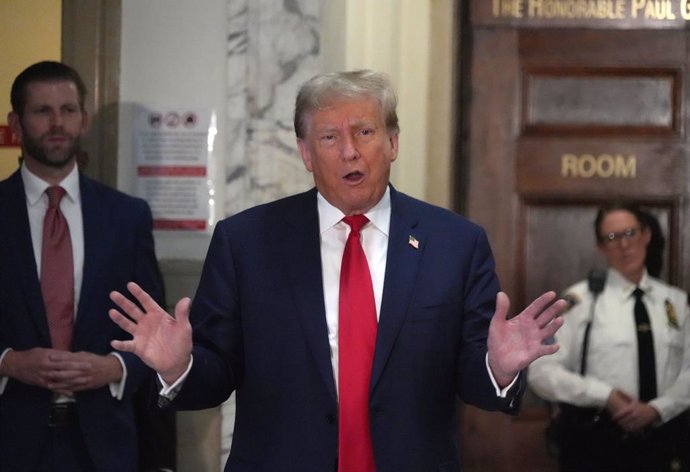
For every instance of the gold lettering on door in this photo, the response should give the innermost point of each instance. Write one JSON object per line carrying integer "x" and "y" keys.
{"x": 603, "y": 166}
{"x": 626, "y": 10}
{"x": 653, "y": 9}
{"x": 685, "y": 9}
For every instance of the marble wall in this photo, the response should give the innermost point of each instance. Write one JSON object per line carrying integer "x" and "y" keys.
{"x": 273, "y": 47}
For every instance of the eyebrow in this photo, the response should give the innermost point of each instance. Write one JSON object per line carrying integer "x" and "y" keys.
{"x": 359, "y": 123}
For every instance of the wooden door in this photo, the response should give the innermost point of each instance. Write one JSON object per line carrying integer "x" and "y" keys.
{"x": 562, "y": 115}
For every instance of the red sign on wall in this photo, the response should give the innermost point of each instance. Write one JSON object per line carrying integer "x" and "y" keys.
{"x": 7, "y": 138}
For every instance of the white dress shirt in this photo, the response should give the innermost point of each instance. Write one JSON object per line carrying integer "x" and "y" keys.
{"x": 333, "y": 233}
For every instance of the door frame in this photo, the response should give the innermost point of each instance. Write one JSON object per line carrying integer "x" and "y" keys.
{"x": 91, "y": 32}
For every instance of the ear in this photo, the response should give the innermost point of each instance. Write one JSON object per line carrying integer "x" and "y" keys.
{"x": 84, "y": 121}
{"x": 15, "y": 124}
{"x": 304, "y": 152}
{"x": 393, "y": 139}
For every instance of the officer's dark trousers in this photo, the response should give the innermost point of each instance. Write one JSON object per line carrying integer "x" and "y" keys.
{"x": 601, "y": 446}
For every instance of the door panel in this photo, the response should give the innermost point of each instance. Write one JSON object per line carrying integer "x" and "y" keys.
{"x": 560, "y": 121}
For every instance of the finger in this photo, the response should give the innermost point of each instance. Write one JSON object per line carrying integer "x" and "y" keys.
{"x": 64, "y": 378}
{"x": 548, "y": 349}
{"x": 182, "y": 310}
{"x": 540, "y": 304}
{"x": 551, "y": 312}
{"x": 72, "y": 366}
{"x": 550, "y": 329}
{"x": 502, "y": 306}
{"x": 143, "y": 297}
{"x": 122, "y": 321}
{"x": 124, "y": 346}
{"x": 126, "y": 305}
{"x": 56, "y": 356}
{"x": 622, "y": 415}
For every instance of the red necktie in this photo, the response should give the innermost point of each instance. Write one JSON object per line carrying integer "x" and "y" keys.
{"x": 356, "y": 340}
{"x": 57, "y": 273}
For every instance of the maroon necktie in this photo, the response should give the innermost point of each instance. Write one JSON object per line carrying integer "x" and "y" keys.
{"x": 57, "y": 272}
{"x": 356, "y": 340}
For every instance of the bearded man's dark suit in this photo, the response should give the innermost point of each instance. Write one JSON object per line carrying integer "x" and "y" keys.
{"x": 118, "y": 247}
{"x": 259, "y": 327}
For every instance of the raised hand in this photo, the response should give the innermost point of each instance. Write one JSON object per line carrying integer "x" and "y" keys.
{"x": 514, "y": 343}
{"x": 162, "y": 341}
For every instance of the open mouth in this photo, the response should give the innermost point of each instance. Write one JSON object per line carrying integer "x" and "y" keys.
{"x": 354, "y": 177}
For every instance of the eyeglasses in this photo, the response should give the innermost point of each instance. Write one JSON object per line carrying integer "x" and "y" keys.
{"x": 628, "y": 234}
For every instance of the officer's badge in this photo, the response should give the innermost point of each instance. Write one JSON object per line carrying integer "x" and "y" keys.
{"x": 571, "y": 299}
{"x": 671, "y": 314}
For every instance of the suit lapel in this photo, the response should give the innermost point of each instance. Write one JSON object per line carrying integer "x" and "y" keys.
{"x": 402, "y": 265}
{"x": 96, "y": 236}
{"x": 301, "y": 247}
{"x": 18, "y": 235}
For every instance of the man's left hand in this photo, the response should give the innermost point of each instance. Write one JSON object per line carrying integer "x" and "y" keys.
{"x": 514, "y": 343}
{"x": 636, "y": 416}
{"x": 78, "y": 371}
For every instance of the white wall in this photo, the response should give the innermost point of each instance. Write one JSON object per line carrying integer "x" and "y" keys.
{"x": 173, "y": 54}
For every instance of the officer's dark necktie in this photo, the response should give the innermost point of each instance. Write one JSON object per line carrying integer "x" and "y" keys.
{"x": 645, "y": 349}
{"x": 57, "y": 273}
{"x": 357, "y": 327}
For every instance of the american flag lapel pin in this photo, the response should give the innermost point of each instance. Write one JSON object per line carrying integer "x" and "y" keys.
{"x": 412, "y": 241}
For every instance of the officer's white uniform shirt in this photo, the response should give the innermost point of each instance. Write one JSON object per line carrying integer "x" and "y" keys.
{"x": 612, "y": 352}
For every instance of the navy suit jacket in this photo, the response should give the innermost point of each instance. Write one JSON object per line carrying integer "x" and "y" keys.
{"x": 260, "y": 328}
{"x": 118, "y": 247}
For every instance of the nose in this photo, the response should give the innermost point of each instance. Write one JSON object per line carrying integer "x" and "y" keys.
{"x": 348, "y": 149}
{"x": 56, "y": 119}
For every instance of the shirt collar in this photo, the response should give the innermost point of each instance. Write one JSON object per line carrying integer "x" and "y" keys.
{"x": 379, "y": 215}
{"x": 35, "y": 187}
{"x": 624, "y": 288}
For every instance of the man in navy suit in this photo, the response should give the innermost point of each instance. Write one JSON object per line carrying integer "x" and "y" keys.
{"x": 66, "y": 409}
{"x": 265, "y": 319}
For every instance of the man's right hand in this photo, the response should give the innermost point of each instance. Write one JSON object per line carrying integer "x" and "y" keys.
{"x": 42, "y": 367}
{"x": 617, "y": 401}
{"x": 632, "y": 415}
{"x": 162, "y": 341}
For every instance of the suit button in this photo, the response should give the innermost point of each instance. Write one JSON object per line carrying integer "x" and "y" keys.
{"x": 330, "y": 419}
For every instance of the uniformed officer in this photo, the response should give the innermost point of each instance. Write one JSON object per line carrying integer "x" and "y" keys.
{"x": 622, "y": 382}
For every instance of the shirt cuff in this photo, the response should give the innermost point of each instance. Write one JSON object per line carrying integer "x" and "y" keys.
{"x": 500, "y": 392}
{"x": 169, "y": 392}
{"x": 3, "y": 379}
{"x": 117, "y": 389}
